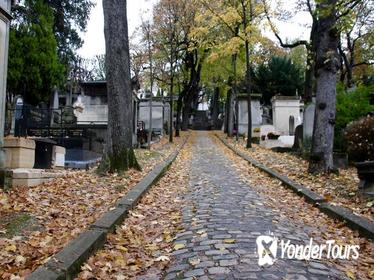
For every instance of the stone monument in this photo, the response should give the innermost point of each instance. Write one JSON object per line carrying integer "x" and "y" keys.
{"x": 4, "y": 41}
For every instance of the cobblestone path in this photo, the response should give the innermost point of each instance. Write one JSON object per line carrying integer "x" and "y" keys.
{"x": 223, "y": 217}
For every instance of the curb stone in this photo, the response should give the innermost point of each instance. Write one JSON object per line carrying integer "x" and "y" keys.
{"x": 67, "y": 263}
{"x": 353, "y": 221}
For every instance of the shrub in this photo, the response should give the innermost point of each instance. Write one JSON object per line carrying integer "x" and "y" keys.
{"x": 360, "y": 139}
{"x": 350, "y": 106}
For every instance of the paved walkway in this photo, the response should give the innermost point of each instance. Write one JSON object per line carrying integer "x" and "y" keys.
{"x": 223, "y": 217}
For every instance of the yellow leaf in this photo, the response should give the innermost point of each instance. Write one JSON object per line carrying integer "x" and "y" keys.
{"x": 229, "y": 241}
{"x": 179, "y": 246}
{"x": 11, "y": 248}
{"x": 121, "y": 248}
{"x": 350, "y": 274}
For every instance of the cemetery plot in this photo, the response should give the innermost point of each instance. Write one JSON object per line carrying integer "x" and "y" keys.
{"x": 46, "y": 217}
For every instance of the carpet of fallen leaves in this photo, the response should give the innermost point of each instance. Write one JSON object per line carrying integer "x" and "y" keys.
{"x": 140, "y": 247}
{"x": 339, "y": 189}
{"x": 57, "y": 211}
{"x": 321, "y": 228}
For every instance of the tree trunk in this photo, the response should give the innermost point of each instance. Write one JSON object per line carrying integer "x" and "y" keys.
{"x": 309, "y": 78}
{"x": 327, "y": 65}
{"x": 171, "y": 107}
{"x": 186, "y": 112}
{"x": 248, "y": 77}
{"x": 215, "y": 108}
{"x": 227, "y": 112}
{"x": 310, "y": 64}
{"x": 230, "y": 119}
{"x": 119, "y": 153}
{"x": 179, "y": 110}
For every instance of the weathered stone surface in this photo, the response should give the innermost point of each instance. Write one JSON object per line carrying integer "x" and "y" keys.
{"x": 364, "y": 226}
{"x": 44, "y": 273}
{"x": 225, "y": 216}
{"x": 111, "y": 219}
{"x": 19, "y": 152}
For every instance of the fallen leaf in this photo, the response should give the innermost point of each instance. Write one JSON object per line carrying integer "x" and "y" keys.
{"x": 163, "y": 259}
{"x": 179, "y": 246}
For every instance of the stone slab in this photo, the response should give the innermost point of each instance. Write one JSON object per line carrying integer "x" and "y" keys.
{"x": 19, "y": 152}
{"x": 18, "y": 142}
{"x": 364, "y": 226}
{"x": 110, "y": 219}
{"x": 45, "y": 273}
{"x": 31, "y": 177}
{"x": 67, "y": 263}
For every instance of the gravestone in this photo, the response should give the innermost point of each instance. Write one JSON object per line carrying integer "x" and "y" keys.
{"x": 292, "y": 125}
{"x": 308, "y": 122}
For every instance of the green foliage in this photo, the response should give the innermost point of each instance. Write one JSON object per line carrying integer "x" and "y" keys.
{"x": 70, "y": 17}
{"x": 350, "y": 107}
{"x": 278, "y": 76}
{"x": 359, "y": 136}
{"x": 34, "y": 68}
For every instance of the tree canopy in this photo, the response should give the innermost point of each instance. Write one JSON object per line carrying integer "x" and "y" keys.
{"x": 278, "y": 76}
{"x": 34, "y": 66}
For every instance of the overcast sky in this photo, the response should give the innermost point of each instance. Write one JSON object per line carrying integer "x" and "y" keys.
{"x": 94, "y": 37}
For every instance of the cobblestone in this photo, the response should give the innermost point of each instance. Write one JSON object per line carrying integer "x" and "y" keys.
{"x": 223, "y": 216}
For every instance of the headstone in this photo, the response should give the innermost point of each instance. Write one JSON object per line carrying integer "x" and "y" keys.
{"x": 308, "y": 122}
{"x": 58, "y": 157}
{"x": 16, "y": 115}
{"x": 292, "y": 125}
{"x": 298, "y": 143}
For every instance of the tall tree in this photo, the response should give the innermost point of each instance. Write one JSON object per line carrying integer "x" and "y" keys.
{"x": 327, "y": 63}
{"x": 357, "y": 41}
{"x": 248, "y": 76}
{"x": 34, "y": 68}
{"x": 278, "y": 76}
{"x": 309, "y": 6}
{"x": 70, "y": 18}
{"x": 119, "y": 152}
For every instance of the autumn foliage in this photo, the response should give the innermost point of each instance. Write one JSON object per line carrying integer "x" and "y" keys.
{"x": 359, "y": 136}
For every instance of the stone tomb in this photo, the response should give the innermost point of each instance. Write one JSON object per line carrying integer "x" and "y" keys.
{"x": 158, "y": 115}
{"x": 20, "y": 160}
{"x": 284, "y": 109}
{"x": 256, "y": 112}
